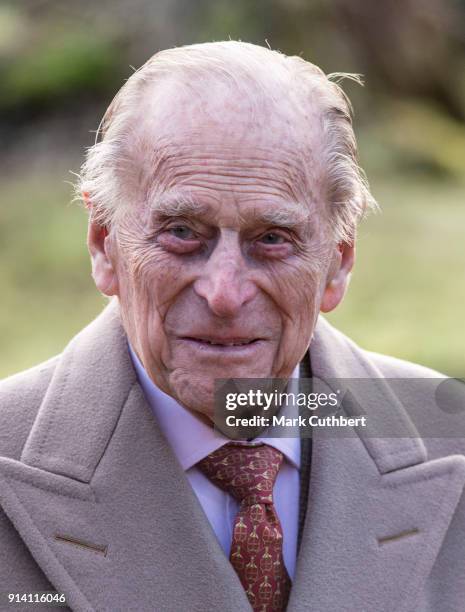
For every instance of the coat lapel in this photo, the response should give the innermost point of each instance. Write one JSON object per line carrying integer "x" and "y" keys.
{"x": 378, "y": 510}
{"x": 99, "y": 498}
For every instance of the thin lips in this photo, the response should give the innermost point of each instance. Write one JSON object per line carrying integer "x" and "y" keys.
{"x": 222, "y": 340}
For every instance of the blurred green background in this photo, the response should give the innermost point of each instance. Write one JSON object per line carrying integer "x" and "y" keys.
{"x": 62, "y": 62}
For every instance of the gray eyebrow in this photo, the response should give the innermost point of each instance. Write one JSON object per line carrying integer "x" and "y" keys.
{"x": 289, "y": 215}
{"x": 176, "y": 205}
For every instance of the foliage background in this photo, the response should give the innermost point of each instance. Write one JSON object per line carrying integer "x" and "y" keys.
{"x": 61, "y": 63}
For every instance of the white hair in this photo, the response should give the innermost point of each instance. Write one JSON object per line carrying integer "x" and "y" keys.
{"x": 109, "y": 176}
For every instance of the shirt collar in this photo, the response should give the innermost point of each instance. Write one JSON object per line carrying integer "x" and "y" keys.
{"x": 190, "y": 438}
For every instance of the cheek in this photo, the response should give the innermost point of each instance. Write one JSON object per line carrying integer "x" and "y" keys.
{"x": 150, "y": 283}
{"x": 296, "y": 289}
{"x": 153, "y": 279}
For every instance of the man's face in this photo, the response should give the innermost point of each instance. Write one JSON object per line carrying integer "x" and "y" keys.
{"x": 221, "y": 265}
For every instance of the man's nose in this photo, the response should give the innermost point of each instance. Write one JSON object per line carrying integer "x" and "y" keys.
{"x": 224, "y": 282}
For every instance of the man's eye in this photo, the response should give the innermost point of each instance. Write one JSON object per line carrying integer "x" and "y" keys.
{"x": 182, "y": 231}
{"x": 272, "y": 238}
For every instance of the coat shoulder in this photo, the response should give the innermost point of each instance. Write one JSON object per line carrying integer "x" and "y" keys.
{"x": 20, "y": 398}
{"x": 392, "y": 367}
{"x": 433, "y": 402}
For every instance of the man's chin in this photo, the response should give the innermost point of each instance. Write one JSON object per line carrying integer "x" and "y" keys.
{"x": 197, "y": 392}
{"x": 197, "y": 399}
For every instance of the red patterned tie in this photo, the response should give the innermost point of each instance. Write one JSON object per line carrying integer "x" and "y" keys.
{"x": 248, "y": 473}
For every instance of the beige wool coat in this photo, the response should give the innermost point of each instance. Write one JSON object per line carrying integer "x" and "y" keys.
{"x": 93, "y": 503}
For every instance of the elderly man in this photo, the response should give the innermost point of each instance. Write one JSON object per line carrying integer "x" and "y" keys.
{"x": 223, "y": 201}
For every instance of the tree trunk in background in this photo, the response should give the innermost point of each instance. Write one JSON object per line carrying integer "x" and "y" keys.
{"x": 412, "y": 46}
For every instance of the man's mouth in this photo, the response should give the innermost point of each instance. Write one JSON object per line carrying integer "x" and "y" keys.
{"x": 223, "y": 342}
{"x": 216, "y": 347}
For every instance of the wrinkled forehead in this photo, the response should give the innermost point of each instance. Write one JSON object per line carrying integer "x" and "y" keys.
{"x": 210, "y": 125}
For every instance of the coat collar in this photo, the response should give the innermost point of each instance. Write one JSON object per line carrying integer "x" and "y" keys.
{"x": 338, "y": 362}
{"x": 97, "y": 470}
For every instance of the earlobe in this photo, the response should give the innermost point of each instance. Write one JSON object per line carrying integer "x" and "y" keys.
{"x": 338, "y": 276}
{"x": 103, "y": 271}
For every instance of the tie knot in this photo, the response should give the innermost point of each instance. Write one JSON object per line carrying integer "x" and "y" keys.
{"x": 248, "y": 473}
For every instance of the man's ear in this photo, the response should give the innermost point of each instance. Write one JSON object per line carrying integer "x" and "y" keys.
{"x": 103, "y": 271}
{"x": 338, "y": 276}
